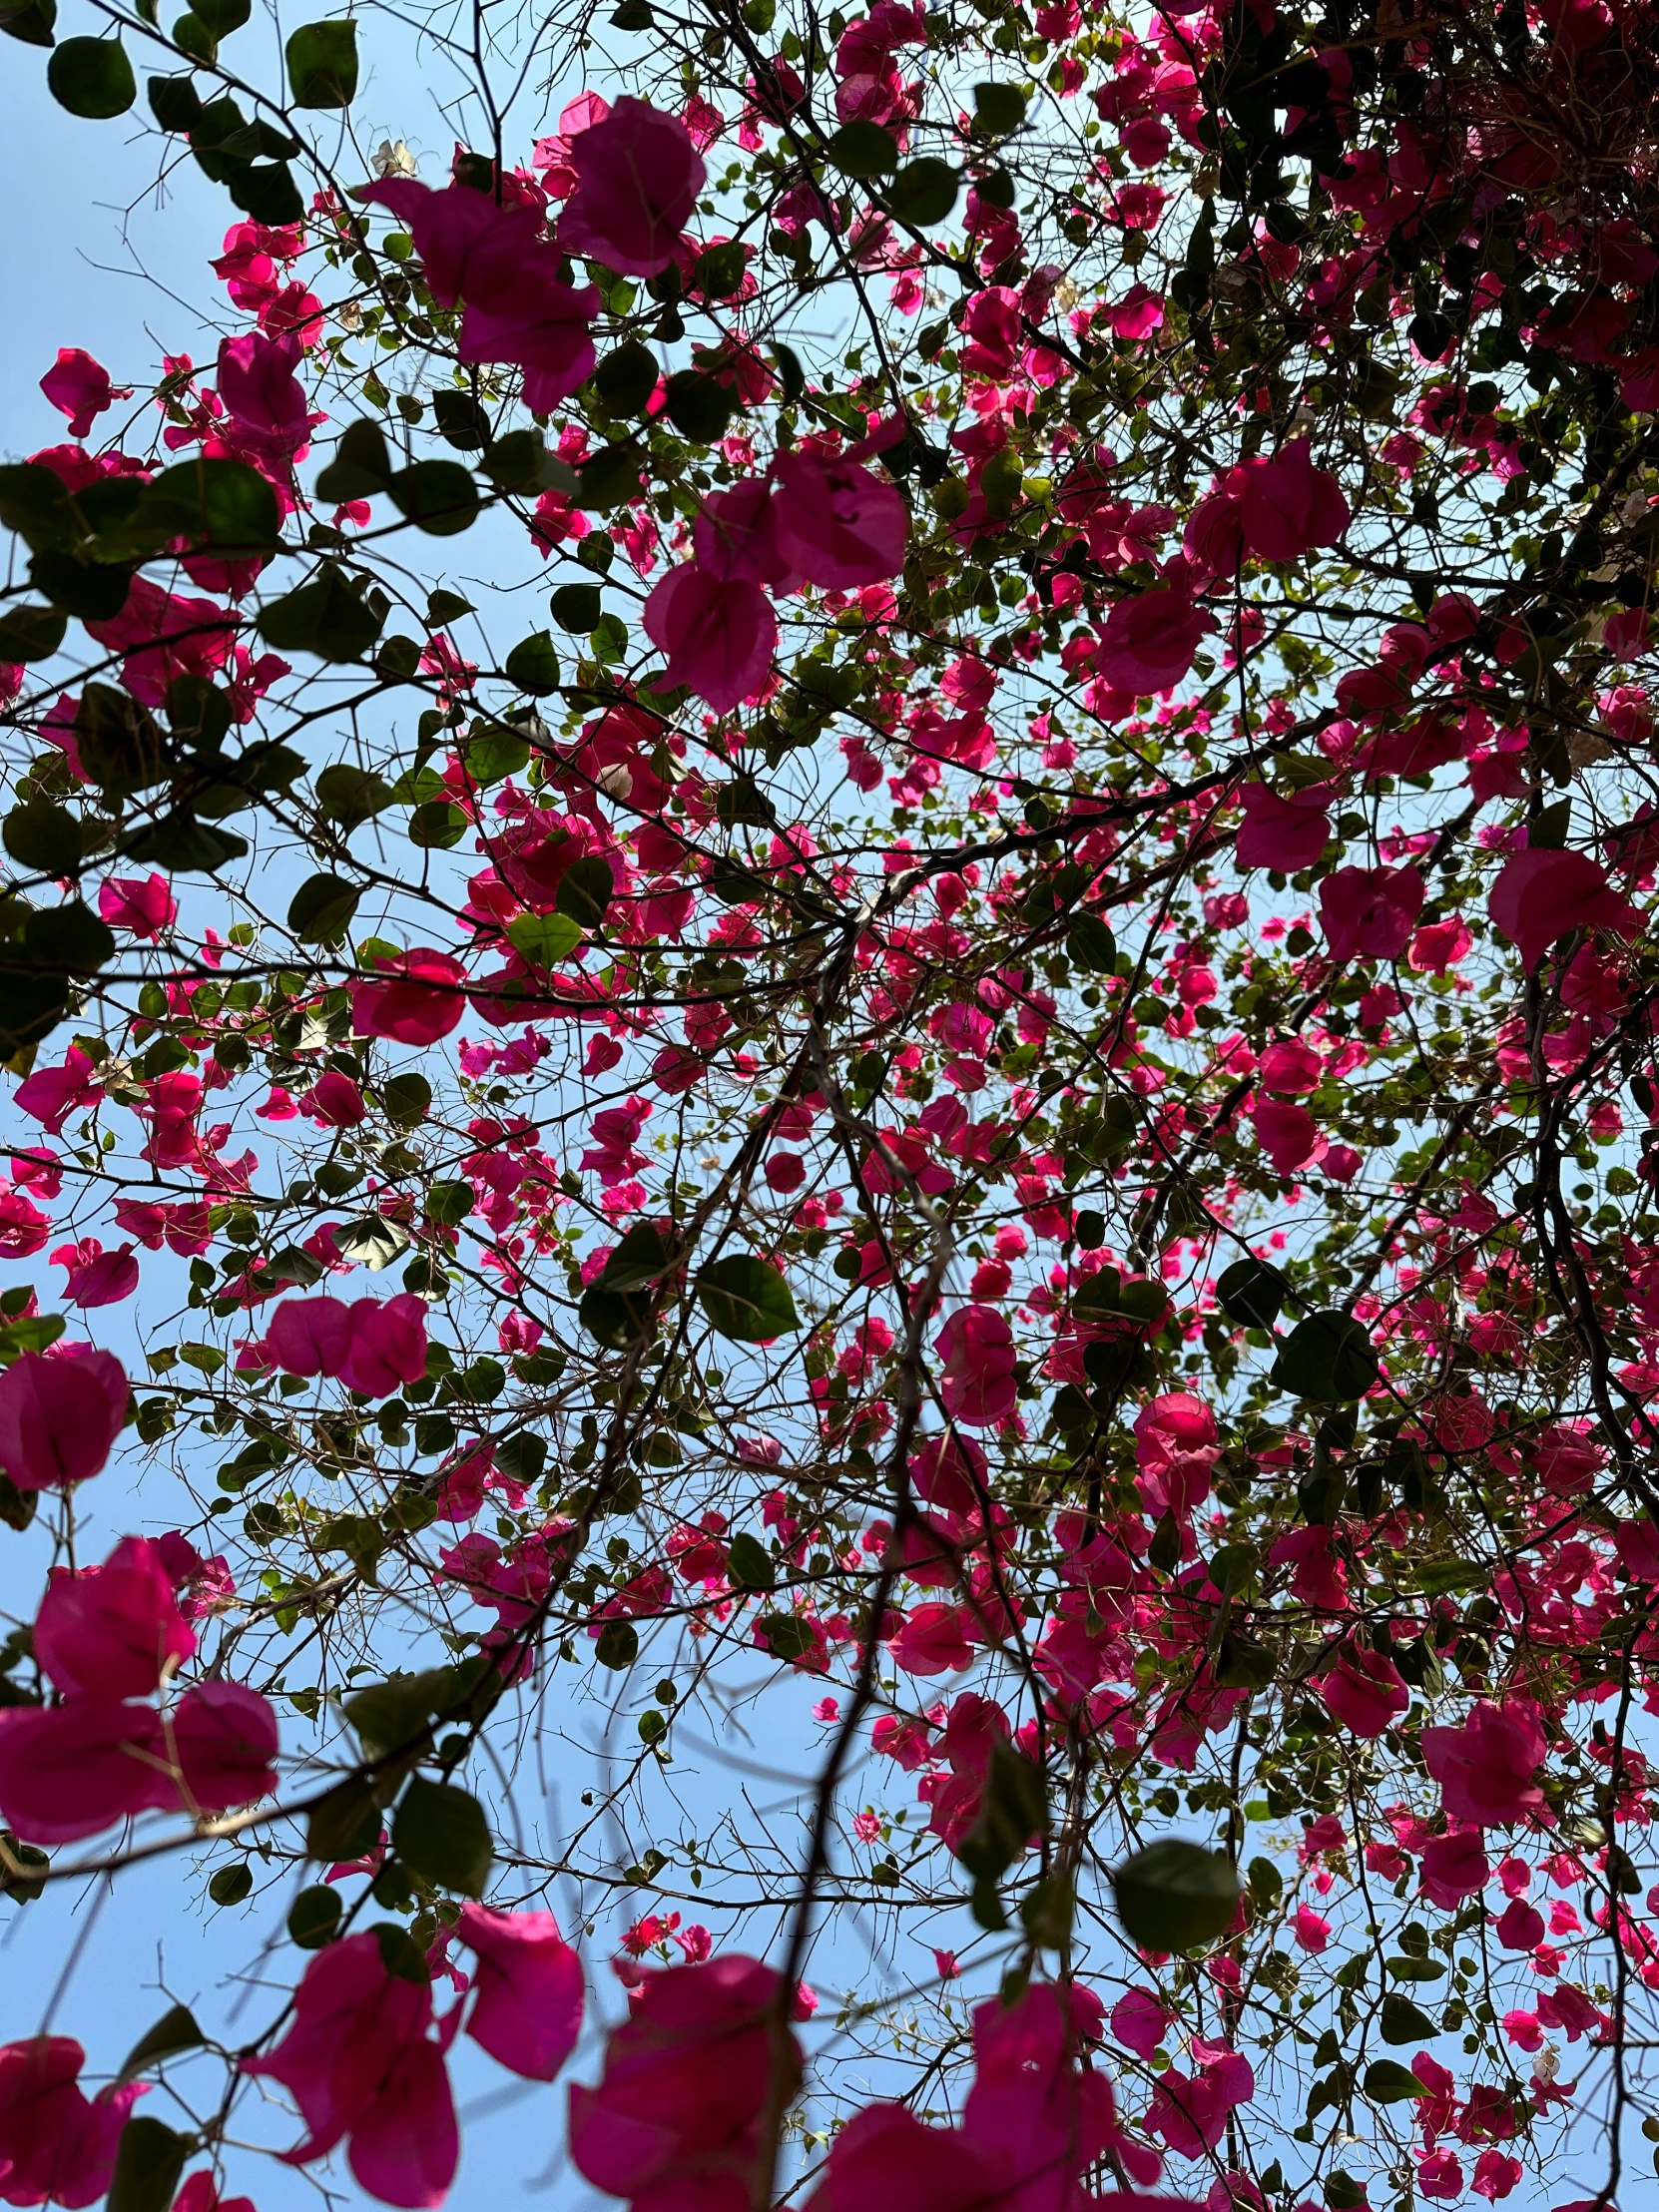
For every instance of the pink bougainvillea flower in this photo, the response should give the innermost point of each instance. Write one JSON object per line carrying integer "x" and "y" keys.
{"x": 675, "y": 2119}
{"x": 1454, "y": 1868}
{"x": 310, "y": 1335}
{"x": 1368, "y": 913}
{"x": 200, "y": 2194}
{"x": 1139, "y": 2021}
{"x": 113, "y": 1631}
{"x": 264, "y": 398}
{"x": 336, "y": 1100}
{"x": 976, "y": 1345}
{"x": 527, "y": 1990}
{"x": 72, "y": 1770}
{"x": 470, "y": 245}
{"x": 80, "y": 387}
{"x": 225, "y": 1742}
{"x": 362, "y": 2069}
{"x": 96, "y": 1277}
{"x": 57, "y": 2145}
{"x": 141, "y": 903}
{"x": 1540, "y": 894}
{"x": 638, "y": 175}
{"x": 735, "y": 536}
{"x": 1486, "y": 1767}
{"x": 837, "y": 525}
{"x": 1364, "y": 1690}
{"x": 374, "y": 1346}
{"x": 1285, "y": 831}
{"x": 718, "y": 638}
{"x": 1191, "y": 2111}
{"x": 421, "y": 1003}
{"x": 1176, "y": 1446}
{"x": 1149, "y": 642}
{"x": 541, "y": 325}
{"x": 1289, "y": 1135}
{"x": 1290, "y": 1067}
{"x": 932, "y": 1641}
{"x": 1287, "y": 506}
{"x": 51, "y": 1095}
{"x": 59, "y": 1417}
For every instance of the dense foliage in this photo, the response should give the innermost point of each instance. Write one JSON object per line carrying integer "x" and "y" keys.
{"x": 994, "y": 1087}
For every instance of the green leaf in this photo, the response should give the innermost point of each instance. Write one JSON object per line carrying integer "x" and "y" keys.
{"x": 1251, "y": 1293}
{"x": 322, "y": 65}
{"x": 181, "y": 845}
{"x": 393, "y": 1715}
{"x": 642, "y": 1258}
{"x": 437, "y": 825}
{"x": 314, "y": 1915}
{"x": 148, "y": 2163}
{"x": 786, "y": 1636}
{"x": 614, "y": 1319}
{"x": 533, "y": 665}
{"x": 1403, "y": 2022}
{"x": 33, "y": 504}
{"x": 544, "y": 939}
{"x": 222, "y": 17}
{"x": 618, "y": 1645}
{"x": 173, "y": 2032}
{"x": 1342, "y": 2193}
{"x": 1013, "y": 1808}
{"x": 863, "y": 150}
{"x": 1175, "y": 1896}
{"x": 407, "y": 1099}
{"x": 69, "y": 938}
{"x": 92, "y": 77}
{"x": 577, "y": 607}
{"x": 29, "y": 20}
{"x": 39, "y": 835}
{"x": 442, "y": 1834}
{"x": 1326, "y": 1358}
{"x": 1091, "y": 945}
{"x": 697, "y": 406}
{"x": 117, "y": 744}
{"x": 361, "y": 467}
{"x": 609, "y": 477}
{"x": 998, "y": 110}
{"x": 90, "y": 591}
{"x": 321, "y": 909}
{"x": 584, "y": 890}
{"x": 222, "y": 503}
{"x": 375, "y": 1242}
{"x": 349, "y": 794}
{"x": 31, "y": 633}
{"x": 325, "y": 617}
{"x": 439, "y": 497}
{"x": 267, "y": 191}
{"x": 345, "y": 1825}
{"x": 922, "y": 193}
{"x": 232, "y": 1883}
{"x": 750, "y": 1563}
{"x": 31, "y": 1006}
{"x": 626, "y": 379}
{"x": 745, "y": 1298}
{"x": 449, "y": 1202}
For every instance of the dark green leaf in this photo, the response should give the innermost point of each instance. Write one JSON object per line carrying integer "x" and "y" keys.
{"x": 348, "y": 794}
{"x": 642, "y": 1258}
{"x": 117, "y": 744}
{"x": 998, "y": 110}
{"x": 1251, "y": 1293}
{"x": 322, "y": 65}
{"x": 922, "y": 193}
{"x": 1342, "y": 2193}
{"x": 361, "y": 467}
{"x": 345, "y": 1825}
{"x": 407, "y": 1099}
{"x": 325, "y": 617}
{"x": 31, "y": 633}
{"x": 789, "y": 370}
{"x": 1175, "y": 1896}
{"x": 216, "y": 502}
{"x": 68, "y": 938}
{"x": 314, "y": 1915}
{"x": 750, "y": 1563}
{"x": 34, "y": 502}
{"x": 320, "y": 910}
{"x": 173, "y": 2032}
{"x": 232, "y": 1883}
{"x": 609, "y": 477}
{"x": 437, "y": 825}
{"x": 29, "y": 20}
{"x": 183, "y": 846}
{"x": 1403, "y": 2022}
{"x": 614, "y": 1319}
{"x": 697, "y": 406}
{"x": 544, "y": 939}
{"x": 88, "y": 590}
{"x": 40, "y": 835}
{"x": 618, "y": 1645}
{"x": 577, "y": 607}
{"x": 461, "y": 423}
{"x": 745, "y": 1298}
{"x": 1091, "y": 945}
{"x": 148, "y": 2163}
{"x": 533, "y": 665}
{"x": 1326, "y": 1358}
{"x": 267, "y": 191}
{"x": 785, "y": 1635}
{"x": 442, "y": 1834}
{"x": 222, "y": 17}
{"x": 584, "y": 890}
{"x": 450, "y": 1201}
{"x": 1013, "y": 1808}
{"x": 626, "y": 379}
{"x": 863, "y": 149}
{"x": 439, "y": 497}
{"x": 92, "y": 77}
